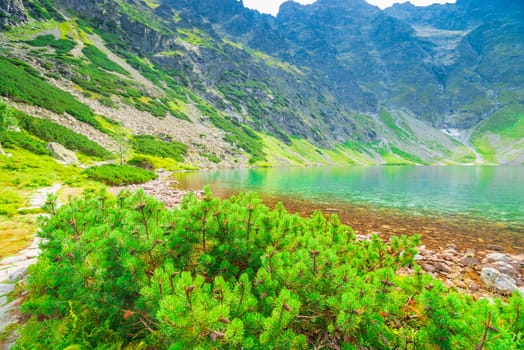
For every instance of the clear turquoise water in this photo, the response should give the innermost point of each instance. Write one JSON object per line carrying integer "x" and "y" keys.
{"x": 492, "y": 194}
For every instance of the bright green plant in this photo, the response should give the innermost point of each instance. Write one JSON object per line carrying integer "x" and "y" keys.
{"x": 61, "y": 46}
{"x": 126, "y": 273}
{"x": 52, "y": 132}
{"x": 147, "y": 144}
{"x": 118, "y": 175}
{"x": 23, "y": 83}
{"x": 101, "y": 60}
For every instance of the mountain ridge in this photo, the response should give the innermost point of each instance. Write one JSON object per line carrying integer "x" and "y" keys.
{"x": 339, "y": 74}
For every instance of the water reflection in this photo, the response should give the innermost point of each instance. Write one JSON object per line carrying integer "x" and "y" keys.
{"x": 473, "y": 206}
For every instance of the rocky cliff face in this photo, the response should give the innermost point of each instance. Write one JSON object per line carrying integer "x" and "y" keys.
{"x": 12, "y": 13}
{"x": 329, "y": 72}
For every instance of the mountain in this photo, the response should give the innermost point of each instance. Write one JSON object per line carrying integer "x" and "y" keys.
{"x": 334, "y": 82}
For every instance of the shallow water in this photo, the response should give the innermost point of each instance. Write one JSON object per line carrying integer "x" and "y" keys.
{"x": 473, "y": 207}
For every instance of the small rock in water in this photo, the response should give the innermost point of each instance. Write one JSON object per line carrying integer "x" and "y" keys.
{"x": 494, "y": 247}
{"x": 495, "y": 279}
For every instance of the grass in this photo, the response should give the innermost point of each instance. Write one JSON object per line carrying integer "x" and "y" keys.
{"x": 101, "y": 60}
{"x": 119, "y": 175}
{"x": 301, "y": 152}
{"x": 501, "y": 129}
{"x": 149, "y": 145}
{"x": 153, "y": 163}
{"x": 61, "y": 46}
{"x": 52, "y": 132}
{"x": 16, "y": 233}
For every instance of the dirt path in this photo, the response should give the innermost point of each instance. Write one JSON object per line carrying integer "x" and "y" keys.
{"x": 13, "y": 269}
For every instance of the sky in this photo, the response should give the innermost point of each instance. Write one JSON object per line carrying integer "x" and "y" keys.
{"x": 271, "y": 6}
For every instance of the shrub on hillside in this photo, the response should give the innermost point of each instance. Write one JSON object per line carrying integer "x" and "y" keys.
{"x": 61, "y": 46}
{"x": 119, "y": 175}
{"x": 149, "y": 145}
{"x": 52, "y": 132}
{"x": 23, "y": 83}
{"x": 24, "y": 141}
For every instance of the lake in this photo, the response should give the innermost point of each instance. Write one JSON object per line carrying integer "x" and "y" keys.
{"x": 472, "y": 207}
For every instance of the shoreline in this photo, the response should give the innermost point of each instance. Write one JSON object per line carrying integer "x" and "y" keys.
{"x": 460, "y": 267}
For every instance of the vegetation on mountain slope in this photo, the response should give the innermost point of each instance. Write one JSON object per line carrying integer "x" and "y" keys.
{"x": 24, "y": 83}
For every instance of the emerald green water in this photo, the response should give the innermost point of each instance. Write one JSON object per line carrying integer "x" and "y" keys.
{"x": 486, "y": 200}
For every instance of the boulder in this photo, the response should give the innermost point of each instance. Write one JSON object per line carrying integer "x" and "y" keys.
{"x": 62, "y": 154}
{"x": 495, "y": 257}
{"x": 505, "y": 268}
{"x": 496, "y": 279}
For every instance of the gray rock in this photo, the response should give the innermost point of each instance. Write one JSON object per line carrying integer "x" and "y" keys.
{"x": 12, "y": 13}
{"x": 62, "y": 154}
{"x": 494, "y": 257}
{"x": 428, "y": 267}
{"x": 493, "y": 278}
{"x": 16, "y": 272}
{"x": 12, "y": 260}
{"x": 31, "y": 253}
{"x": 6, "y": 288}
{"x": 505, "y": 268}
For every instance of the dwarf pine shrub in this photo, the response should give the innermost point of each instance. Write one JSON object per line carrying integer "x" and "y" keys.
{"x": 126, "y": 273}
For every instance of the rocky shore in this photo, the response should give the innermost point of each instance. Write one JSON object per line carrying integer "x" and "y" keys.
{"x": 162, "y": 188}
{"x": 483, "y": 273}
{"x": 478, "y": 273}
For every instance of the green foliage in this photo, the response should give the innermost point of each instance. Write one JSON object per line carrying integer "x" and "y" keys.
{"x": 211, "y": 156}
{"x": 101, "y": 60}
{"x": 7, "y": 120}
{"x": 23, "y": 83}
{"x": 10, "y": 202}
{"x": 22, "y": 140}
{"x": 236, "y": 133}
{"x": 43, "y": 10}
{"x": 61, "y": 46}
{"x": 52, "y": 132}
{"x": 28, "y": 170}
{"x": 119, "y": 175}
{"x": 98, "y": 81}
{"x": 127, "y": 273}
{"x": 147, "y": 144}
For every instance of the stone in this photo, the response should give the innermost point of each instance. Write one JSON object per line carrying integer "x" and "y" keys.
{"x": 31, "y": 253}
{"x": 473, "y": 286}
{"x": 6, "y": 288}
{"x": 469, "y": 260}
{"x": 12, "y": 260}
{"x": 505, "y": 268}
{"x": 16, "y": 272}
{"x": 62, "y": 154}
{"x": 494, "y": 247}
{"x": 442, "y": 267}
{"x": 493, "y": 278}
{"x": 494, "y": 257}
{"x": 428, "y": 267}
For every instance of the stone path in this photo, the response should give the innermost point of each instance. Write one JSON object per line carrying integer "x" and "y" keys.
{"x": 14, "y": 268}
